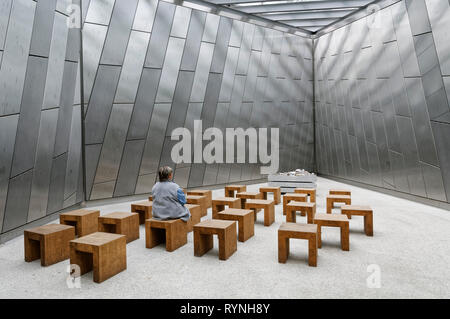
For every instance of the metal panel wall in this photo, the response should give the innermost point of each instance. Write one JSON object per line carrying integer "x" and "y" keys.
{"x": 40, "y": 129}
{"x": 393, "y": 78}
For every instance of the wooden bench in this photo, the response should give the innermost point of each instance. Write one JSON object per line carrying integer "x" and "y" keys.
{"x": 244, "y": 218}
{"x": 331, "y": 199}
{"x": 173, "y": 232}
{"x": 104, "y": 253}
{"x": 196, "y": 216}
{"x": 340, "y": 192}
{"x": 276, "y": 193}
{"x": 226, "y": 233}
{"x": 299, "y": 231}
{"x": 293, "y": 196}
{"x": 311, "y": 192}
{"x": 219, "y": 204}
{"x": 230, "y": 189}
{"x": 366, "y": 211}
{"x": 50, "y": 243}
{"x": 84, "y": 221}
{"x": 144, "y": 209}
{"x": 198, "y": 200}
{"x": 203, "y": 192}
{"x": 334, "y": 220}
{"x": 243, "y": 196}
{"x": 122, "y": 223}
{"x": 304, "y": 208}
{"x": 267, "y": 205}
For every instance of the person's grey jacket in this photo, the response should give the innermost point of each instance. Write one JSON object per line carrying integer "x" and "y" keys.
{"x": 168, "y": 202}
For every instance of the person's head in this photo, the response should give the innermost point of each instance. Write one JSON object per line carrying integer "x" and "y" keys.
{"x": 165, "y": 173}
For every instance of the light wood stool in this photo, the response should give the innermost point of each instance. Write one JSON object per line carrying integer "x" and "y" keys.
{"x": 299, "y": 231}
{"x": 295, "y": 197}
{"x": 173, "y": 232}
{"x": 276, "y": 193}
{"x": 85, "y": 221}
{"x": 226, "y": 233}
{"x": 334, "y": 220}
{"x": 304, "y": 208}
{"x": 267, "y": 205}
{"x": 366, "y": 211}
{"x": 244, "y": 218}
{"x": 311, "y": 192}
{"x": 219, "y": 204}
{"x": 122, "y": 223}
{"x": 331, "y": 199}
{"x": 144, "y": 209}
{"x": 230, "y": 189}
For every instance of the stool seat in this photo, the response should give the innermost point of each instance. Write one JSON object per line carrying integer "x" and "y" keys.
{"x": 230, "y": 189}
{"x": 311, "y": 192}
{"x": 244, "y": 218}
{"x": 340, "y": 192}
{"x": 144, "y": 209}
{"x": 196, "y": 216}
{"x": 173, "y": 232}
{"x": 84, "y": 221}
{"x": 123, "y": 223}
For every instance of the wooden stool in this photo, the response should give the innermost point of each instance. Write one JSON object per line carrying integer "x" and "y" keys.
{"x": 104, "y": 253}
{"x": 198, "y": 200}
{"x": 226, "y": 233}
{"x": 331, "y": 199}
{"x": 365, "y": 211}
{"x": 311, "y": 192}
{"x": 334, "y": 220}
{"x": 276, "y": 193}
{"x": 245, "y": 220}
{"x": 203, "y": 192}
{"x": 85, "y": 221}
{"x": 230, "y": 189}
{"x": 340, "y": 192}
{"x": 248, "y": 195}
{"x": 196, "y": 216}
{"x": 267, "y": 205}
{"x": 144, "y": 209}
{"x": 50, "y": 243}
{"x": 120, "y": 223}
{"x": 292, "y": 196}
{"x": 219, "y": 204}
{"x": 299, "y": 231}
{"x": 173, "y": 232}
{"x": 304, "y": 208}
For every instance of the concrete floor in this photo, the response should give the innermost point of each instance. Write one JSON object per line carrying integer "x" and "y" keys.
{"x": 411, "y": 247}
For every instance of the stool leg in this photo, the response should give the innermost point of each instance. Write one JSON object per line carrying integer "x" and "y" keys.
{"x": 283, "y": 248}
{"x": 217, "y": 208}
{"x": 227, "y": 242}
{"x": 246, "y": 228}
{"x": 153, "y": 236}
{"x": 83, "y": 260}
{"x": 345, "y": 237}
{"x": 269, "y": 215}
{"x": 264, "y": 195}
{"x": 319, "y": 236}
{"x": 309, "y": 216}
{"x": 291, "y": 216}
{"x": 277, "y": 196}
{"x": 368, "y": 224}
{"x": 176, "y": 236}
{"x": 32, "y": 249}
{"x": 284, "y": 204}
{"x": 313, "y": 197}
{"x": 312, "y": 251}
{"x": 329, "y": 205}
{"x": 202, "y": 243}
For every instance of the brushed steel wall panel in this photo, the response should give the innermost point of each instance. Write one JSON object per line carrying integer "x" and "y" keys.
{"x": 180, "y": 102}
{"x": 211, "y": 27}
{"x": 101, "y": 103}
{"x": 228, "y": 74}
{"x": 5, "y": 9}
{"x": 18, "y": 201}
{"x": 433, "y": 182}
{"x": 28, "y": 127}
{"x": 15, "y": 55}
{"x": 143, "y": 107}
{"x": 100, "y": 11}
{"x": 417, "y": 12}
{"x": 66, "y": 108}
{"x": 93, "y": 39}
{"x": 180, "y": 22}
{"x": 56, "y": 189}
{"x": 118, "y": 32}
{"x": 155, "y": 139}
{"x": 42, "y": 28}
{"x": 102, "y": 190}
{"x": 244, "y": 52}
{"x": 129, "y": 168}
{"x": 110, "y": 156}
{"x": 236, "y": 33}
{"x": 193, "y": 41}
{"x": 222, "y": 42}
{"x": 145, "y": 183}
{"x": 202, "y": 72}
{"x": 92, "y": 155}
{"x": 250, "y": 84}
{"x": 258, "y": 38}
{"x": 43, "y": 165}
{"x": 54, "y": 78}
{"x": 160, "y": 35}
{"x": 145, "y": 15}
{"x": 211, "y": 99}
{"x": 421, "y": 120}
{"x": 441, "y": 133}
{"x": 181, "y": 176}
{"x": 439, "y": 14}
{"x": 170, "y": 70}
{"x": 8, "y": 128}
{"x": 277, "y": 39}
{"x": 132, "y": 67}
{"x": 73, "y": 154}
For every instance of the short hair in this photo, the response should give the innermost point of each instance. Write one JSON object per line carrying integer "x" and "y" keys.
{"x": 164, "y": 173}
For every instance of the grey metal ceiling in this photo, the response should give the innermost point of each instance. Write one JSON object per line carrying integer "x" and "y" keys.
{"x": 311, "y": 15}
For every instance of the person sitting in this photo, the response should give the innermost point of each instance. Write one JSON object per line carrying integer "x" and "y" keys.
{"x": 168, "y": 198}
